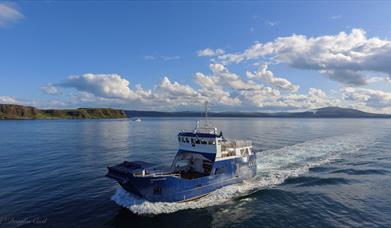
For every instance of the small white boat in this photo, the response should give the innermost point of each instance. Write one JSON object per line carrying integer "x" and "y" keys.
{"x": 138, "y": 120}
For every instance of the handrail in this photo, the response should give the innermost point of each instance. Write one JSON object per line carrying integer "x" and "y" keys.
{"x": 236, "y": 143}
{"x": 156, "y": 174}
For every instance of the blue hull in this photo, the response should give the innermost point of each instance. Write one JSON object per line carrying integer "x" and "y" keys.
{"x": 170, "y": 188}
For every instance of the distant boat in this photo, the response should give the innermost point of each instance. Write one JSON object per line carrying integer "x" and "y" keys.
{"x": 138, "y": 120}
{"x": 205, "y": 161}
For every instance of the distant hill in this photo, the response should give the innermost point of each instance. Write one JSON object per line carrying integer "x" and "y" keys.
{"x": 327, "y": 112}
{"x": 11, "y": 111}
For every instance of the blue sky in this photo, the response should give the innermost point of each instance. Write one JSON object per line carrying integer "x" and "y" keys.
{"x": 74, "y": 54}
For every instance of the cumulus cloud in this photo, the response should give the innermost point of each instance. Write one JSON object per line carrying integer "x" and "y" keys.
{"x": 234, "y": 81}
{"x": 315, "y": 98}
{"x": 231, "y": 89}
{"x": 50, "y": 89}
{"x": 313, "y": 92}
{"x": 103, "y": 85}
{"x": 8, "y": 100}
{"x": 114, "y": 88}
{"x": 379, "y": 80}
{"x": 9, "y": 14}
{"x": 175, "y": 89}
{"x": 343, "y": 57}
{"x": 369, "y": 97}
{"x": 208, "y": 52}
{"x": 221, "y": 87}
{"x": 263, "y": 73}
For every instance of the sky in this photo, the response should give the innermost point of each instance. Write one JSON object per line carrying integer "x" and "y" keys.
{"x": 238, "y": 56}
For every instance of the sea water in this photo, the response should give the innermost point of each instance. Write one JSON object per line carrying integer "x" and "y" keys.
{"x": 311, "y": 172}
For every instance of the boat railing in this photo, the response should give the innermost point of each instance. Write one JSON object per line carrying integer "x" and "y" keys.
{"x": 156, "y": 174}
{"x": 235, "y": 144}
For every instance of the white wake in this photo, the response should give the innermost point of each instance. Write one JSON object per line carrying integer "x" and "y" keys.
{"x": 273, "y": 168}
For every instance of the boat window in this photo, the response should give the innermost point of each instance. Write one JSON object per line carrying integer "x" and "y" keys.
{"x": 220, "y": 170}
{"x": 182, "y": 163}
{"x": 183, "y": 139}
{"x": 210, "y": 142}
{"x": 179, "y": 139}
{"x": 203, "y": 141}
{"x": 197, "y": 141}
{"x": 187, "y": 140}
{"x": 192, "y": 140}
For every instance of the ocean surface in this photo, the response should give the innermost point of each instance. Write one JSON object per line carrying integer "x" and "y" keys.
{"x": 311, "y": 172}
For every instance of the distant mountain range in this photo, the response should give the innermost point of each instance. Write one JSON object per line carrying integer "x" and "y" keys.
{"x": 11, "y": 111}
{"x": 327, "y": 112}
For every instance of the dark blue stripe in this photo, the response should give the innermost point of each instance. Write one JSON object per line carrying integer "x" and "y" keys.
{"x": 202, "y": 135}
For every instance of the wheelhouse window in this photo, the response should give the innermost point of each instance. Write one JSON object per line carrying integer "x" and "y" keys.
{"x": 197, "y": 141}
{"x": 187, "y": 140}
{"x": 220, "y": 170}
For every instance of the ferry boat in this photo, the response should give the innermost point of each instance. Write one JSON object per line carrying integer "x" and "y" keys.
{"x": 205, "y": 162}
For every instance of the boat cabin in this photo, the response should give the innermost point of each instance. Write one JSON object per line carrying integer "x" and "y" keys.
{"x": 201, "y": 148}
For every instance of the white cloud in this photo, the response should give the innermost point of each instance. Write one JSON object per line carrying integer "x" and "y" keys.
{"x": 221, "y": 87}
{"x": 315, "y": 98}
{"x": 167, "y": 88}
{"x": 368, "y": 97}
{"x": 9, "y": 14}
{"x": 102, "y": 85}
{"x": 102, "y": 88}
{"x": 8, "y": 100}
{"x": 316, "y": 93}
{"x": 342, "y": 57}
{"x": 263, "y": 73}
{"x": 212, "y": 89}
{"x": 50, "y": 89}
{"x": 379, "y": 80}
{"x": 208, "y": 52}
{"x": 232, "y": 80}
{"x": 231, "y": 89}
